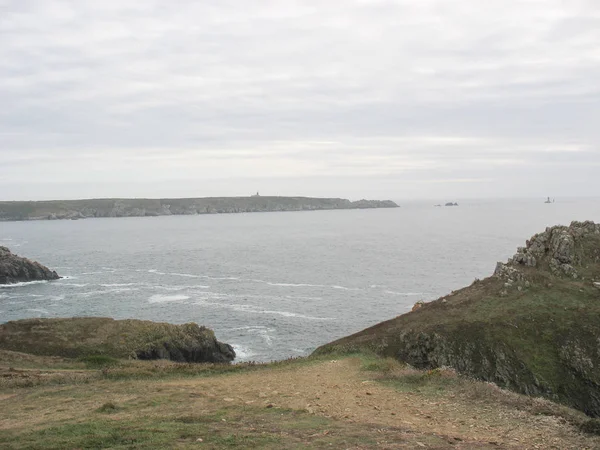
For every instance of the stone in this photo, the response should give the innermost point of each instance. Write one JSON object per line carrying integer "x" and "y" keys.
{"x": 15, "y": 269}
{"x": 556, "y": 246}
{"x": 418, "y": 305}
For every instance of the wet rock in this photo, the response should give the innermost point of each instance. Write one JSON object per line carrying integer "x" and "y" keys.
{"x": 15, "y": 269}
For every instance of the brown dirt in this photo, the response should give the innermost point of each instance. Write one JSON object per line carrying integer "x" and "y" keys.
{"x": 341, "y": 390}
{"x": 464, "y": 415}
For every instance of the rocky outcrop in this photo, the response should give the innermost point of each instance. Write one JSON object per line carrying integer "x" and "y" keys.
{"x": 558, "y": 249}
{"x": 15, "y": 269}
{"x": 133, "y": 339}
{"x": 81, "y": 209}
{"x": 532, "y": 327}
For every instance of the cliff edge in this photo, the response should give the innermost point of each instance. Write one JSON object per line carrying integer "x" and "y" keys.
{"x": 126, "y": 339}
{"x": 532, "y": 327}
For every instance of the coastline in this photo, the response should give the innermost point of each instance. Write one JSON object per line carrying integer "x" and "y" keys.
{"x": 12, "y": 211}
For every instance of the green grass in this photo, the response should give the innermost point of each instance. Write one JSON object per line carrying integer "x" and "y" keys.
{"x": 99, "y": 361}
{"x": 540, "y": 340}
{"x": 249, "y": 427}
{"x": 93, "y": 337}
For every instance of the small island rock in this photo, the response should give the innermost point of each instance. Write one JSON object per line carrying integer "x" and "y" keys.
{"x": 15, "y": 269}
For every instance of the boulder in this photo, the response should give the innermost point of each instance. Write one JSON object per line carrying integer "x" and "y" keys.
{"x": 558, "y": 249}
{"x": 15, "y": 269}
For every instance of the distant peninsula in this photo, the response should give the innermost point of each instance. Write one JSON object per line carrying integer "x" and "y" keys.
{"x": 117, "y": 207}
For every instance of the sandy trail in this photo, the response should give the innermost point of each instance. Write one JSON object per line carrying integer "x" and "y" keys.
{"x": 341, "y": 390}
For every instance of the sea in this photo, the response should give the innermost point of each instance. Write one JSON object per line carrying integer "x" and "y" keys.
{"x": 274, "y": 285}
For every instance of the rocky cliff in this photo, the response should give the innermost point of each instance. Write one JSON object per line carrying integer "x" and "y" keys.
{"x": 14, "y": 269}
{"x": 533, "y": 327}
{"x": 133, "y": 339}
{"x": 81, "y": 209}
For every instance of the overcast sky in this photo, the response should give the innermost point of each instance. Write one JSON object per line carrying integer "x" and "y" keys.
{"x": 353, "y": 98}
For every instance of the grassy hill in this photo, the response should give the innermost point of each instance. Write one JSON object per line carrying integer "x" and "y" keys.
{"x": 101, "y": 337}
{"x": 533, "y": 327}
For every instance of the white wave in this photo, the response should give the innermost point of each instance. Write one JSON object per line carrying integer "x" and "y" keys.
{"x": 242, "y": 353}
{"x": 294, "y": 284}
{"x": 300, "y": 297}
{"x": 299, "y": 350}
{"x": 38, "y": 310}
{"x": 105, "y": 291}
{"x": 189, "y": 275}
{"x": 109, "y": 268}
{"x": 181, "y": 288}
{"x": 62, "y": 267}
{"x": 407, "y": 294}
{"x": 256, "y": 310}
{"x": 345, "y": 288}
{"x": 24, "y": 283}
{"x": 79, "y": 285}
{"x": 93, "y": 273}
{"x": 271, "y": 283}
{"x": 260, "y": 331}
{"x": 291, "y": 314}
{"x": 119, "y": 284}
{"x": 167, "y": 298}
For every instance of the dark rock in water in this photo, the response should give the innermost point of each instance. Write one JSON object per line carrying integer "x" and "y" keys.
{"x": 127, "y": 339}
{"x": 532, "y": 327}
{"x": 451, "y": 204}
{"x": 15, "y": 269}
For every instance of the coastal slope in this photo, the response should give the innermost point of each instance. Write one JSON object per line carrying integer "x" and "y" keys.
{"x": 81, "y": 209}
{"x": 83, "y": 337}
{"x": 532, "y": 327}
{"x": 15, "y": 269}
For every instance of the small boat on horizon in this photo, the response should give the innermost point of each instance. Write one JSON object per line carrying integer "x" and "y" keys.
{"x": 549, "y": 201}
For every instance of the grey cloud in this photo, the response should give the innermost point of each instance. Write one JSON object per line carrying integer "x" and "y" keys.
{"x": 439, "y": 93}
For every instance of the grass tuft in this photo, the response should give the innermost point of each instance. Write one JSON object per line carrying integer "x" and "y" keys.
{"x": 99, "y": 361}
{"x": 108, "y": 407}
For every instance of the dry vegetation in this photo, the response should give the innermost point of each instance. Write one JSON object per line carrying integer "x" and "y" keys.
{"x": 353, "y": 402}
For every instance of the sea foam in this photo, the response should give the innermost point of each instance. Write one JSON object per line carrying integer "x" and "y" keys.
{"x": 167, "y": 298}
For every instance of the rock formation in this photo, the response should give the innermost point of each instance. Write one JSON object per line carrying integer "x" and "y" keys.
{"x": 558, "y": 249}
{"x": 533, "y": 327}
{"x": 15, "y": 269}
{"x": 133, "y": 339}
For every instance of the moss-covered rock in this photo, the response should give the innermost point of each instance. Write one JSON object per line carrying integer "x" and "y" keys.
{"x": 533, "y": 327}
{"x": 138, "y": 339}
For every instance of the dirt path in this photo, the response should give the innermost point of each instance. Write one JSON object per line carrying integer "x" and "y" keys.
{"x": 341, "y": 390}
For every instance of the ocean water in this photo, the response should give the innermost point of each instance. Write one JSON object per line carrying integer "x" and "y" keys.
{"x": 274, "y": 285}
